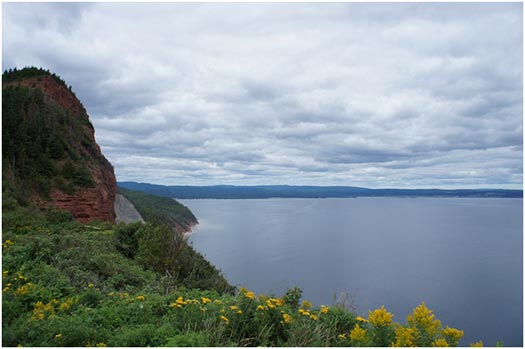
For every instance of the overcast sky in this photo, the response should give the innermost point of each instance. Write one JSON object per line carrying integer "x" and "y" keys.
{"x": 415, "y": 95}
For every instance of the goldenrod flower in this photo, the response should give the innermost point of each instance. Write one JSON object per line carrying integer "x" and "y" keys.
{"x": 440, "y": 342}
{"x": 250, "y": 295}
{"x": 423, "y": 319}
{"x": 224, "y": 318}
{"x": 304, "y": 312}
{"x": 452, "y": 336}
{"x": 205, "y": 300}
{"x": 477, "y": 344}
{"x": 358, "y": 334}
{"x": 324, "y": 309}
{"x": 234, "y": 307}
{"x": 314, "y": 317}
{"x": 287, "y": 319}
{"x": 405, "y": 337}
{"x": 270, "y": 304}
{"x": 260, "y": 307}
{"x": 140, "y": 298}
{"x": 380, "y": 317}
{"x": 341, "y": 336}
{"x": 306, "y": 304}
{"x": 239, "y": 312}
{"x": 359, "y": 318}
{"x": 276, "y": 301}
{"x": 101, "y": 344}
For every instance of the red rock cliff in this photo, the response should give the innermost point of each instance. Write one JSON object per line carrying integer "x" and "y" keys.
{"x": 87, "y": 203}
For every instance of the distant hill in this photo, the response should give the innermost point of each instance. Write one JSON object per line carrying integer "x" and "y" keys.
{"x": 287, "y": 191}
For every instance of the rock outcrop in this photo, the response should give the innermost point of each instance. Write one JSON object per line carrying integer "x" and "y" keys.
{"x": 126, "y": 211}
{"x": 50, "y": 153}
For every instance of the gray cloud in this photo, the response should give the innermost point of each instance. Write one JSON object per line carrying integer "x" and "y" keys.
{"x": 379, "y": 95}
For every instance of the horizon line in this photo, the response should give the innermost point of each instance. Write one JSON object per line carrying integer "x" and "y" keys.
{"x": 321, "y": 186}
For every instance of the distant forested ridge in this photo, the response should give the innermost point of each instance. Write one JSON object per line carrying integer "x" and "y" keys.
{"x": 288, "y": 191}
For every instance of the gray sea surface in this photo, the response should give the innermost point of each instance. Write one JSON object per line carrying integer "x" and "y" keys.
{"x": 462, "y": 256}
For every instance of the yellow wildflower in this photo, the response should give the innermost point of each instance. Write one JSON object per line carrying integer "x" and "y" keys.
{"x": 306, "y": 304}
{"x": 101, "y": 344}
{"x": 111, "y": 294}
{"x": 250, "y": 295}
{"x": 359, "y": 318}
{"x": 270, "y": 304}
{"x": 22, "y": 290}
{"x": 440, "y": 342}
{"x": 287, "y": 319}
{"x": 5, "y": 289}
{"x": 341, "y": 336}
{"x": 380, "y": 317}
{"x": 140, "y": 298}
{"x": 276, "y": 301}
{"x": 58, "y": 335}
{"x": 5, "y": 272}
{"x": 477, "y": 344}
{"x": 452, "y": 336}
{"x": 358, "y": 334}
{"x": 91, "y": 285}
{"x": 239, "y": 312}
{"x": 423, "y": 319}
{"x": 304, "y": 312}
{"x": 179, "y": 302}
{"x": 324, "y": 309}
{"x": 233, "y": 307}
{"x": 314, "y": 317}
{"x": 404, "y": 337}
{"x": 224, "y": 318}
{"x": 218, "y": 301}
{"x": 205, "y": 300}
{"x": 261, "y": 307}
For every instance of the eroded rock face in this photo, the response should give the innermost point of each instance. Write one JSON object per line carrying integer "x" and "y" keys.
{"x": 126, "y": 211}
{"x": 87, "y": 202}
{"x": 90, "y": 203}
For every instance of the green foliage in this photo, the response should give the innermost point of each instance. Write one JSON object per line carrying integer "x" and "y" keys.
{"x": 43, "y": 146}
{"x": 160, "y": 245}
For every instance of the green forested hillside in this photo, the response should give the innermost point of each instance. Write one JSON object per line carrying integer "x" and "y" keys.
{"x": 43, "y": 145}
{"x": 161, "y": 210}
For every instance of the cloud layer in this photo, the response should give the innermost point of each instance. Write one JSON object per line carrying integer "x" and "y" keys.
{"x": 377, "y": 95}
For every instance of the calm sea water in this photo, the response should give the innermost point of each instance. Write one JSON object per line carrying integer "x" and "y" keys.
{"x": 463, "y": 257}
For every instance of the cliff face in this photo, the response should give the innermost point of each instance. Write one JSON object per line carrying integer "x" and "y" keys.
{"x": 126, "y": 211}
{"x": 50, "y": 156}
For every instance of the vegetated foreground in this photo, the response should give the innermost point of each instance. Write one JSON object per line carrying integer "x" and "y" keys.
{"x": 70, "y": 284}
